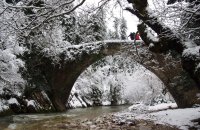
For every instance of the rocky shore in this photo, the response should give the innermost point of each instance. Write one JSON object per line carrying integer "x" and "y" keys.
{"x": 108, "y": 122}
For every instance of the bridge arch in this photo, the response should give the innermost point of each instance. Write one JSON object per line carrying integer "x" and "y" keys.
{"x": 62, "y": 76}
{"x": 116, "y": 80}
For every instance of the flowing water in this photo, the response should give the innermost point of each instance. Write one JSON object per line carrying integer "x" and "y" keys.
{"x": 41, "y": 121}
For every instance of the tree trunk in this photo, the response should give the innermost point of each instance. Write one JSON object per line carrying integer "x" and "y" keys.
{"x": 168, "y": 40}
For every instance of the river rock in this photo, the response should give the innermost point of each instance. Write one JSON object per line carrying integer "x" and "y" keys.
{"x": 93, "y": 126}
{"x": 144, "y": 128}
{"x": 89, "y": 123}
{"x": 62, "y": 126}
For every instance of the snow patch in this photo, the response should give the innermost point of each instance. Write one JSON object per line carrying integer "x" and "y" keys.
{"x": 162, "y": 106}
{"x": 198, "y": 67}
{"x": 106, "y": 103}
{"x": 142, "y": 107}
{"x": 12, "y": 126}
{"x": 151, "y": 45}
{"x": 30, "y": 103}
{"x": 72, "y": 52}
{"x": 3, "y": 105}
{"x": 192, "y": 52}
{"x": 138, "y": 108}
{"x": 189, "y": 44}
{"x": 182, "y": 118}
{"x": 152, "y": 35}
{"x": 13, "y": 101}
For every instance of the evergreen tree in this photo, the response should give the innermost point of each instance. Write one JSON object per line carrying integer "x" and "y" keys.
{"x": 116, "y": 28}
{"x": 84, "y": 27}
{"x": 97, "y": 26}
{"x": 70, "y": 29}
{"x": 69, "y": 24}
{"x": 110, "y": 34}
{"x": 123, "y": 29}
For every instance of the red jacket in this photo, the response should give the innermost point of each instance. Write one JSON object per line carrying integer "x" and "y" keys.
{"x": 137, "y": 37}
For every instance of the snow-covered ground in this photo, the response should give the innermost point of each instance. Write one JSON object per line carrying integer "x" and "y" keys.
{"x": 181, "y": 118}
{"x": 142, "y": 107}
{"x": 3, "y": 105}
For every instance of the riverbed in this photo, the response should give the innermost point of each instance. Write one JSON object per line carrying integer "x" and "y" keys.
{"x": 93, "y": 118}
{"x": 42, "y": 121}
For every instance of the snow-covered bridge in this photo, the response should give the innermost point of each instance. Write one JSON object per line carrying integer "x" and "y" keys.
{"x": 61, "y": 69}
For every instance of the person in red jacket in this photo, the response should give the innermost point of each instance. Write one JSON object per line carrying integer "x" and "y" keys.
{"x": 138, "y": 40}
{"x": 137, "y": 36}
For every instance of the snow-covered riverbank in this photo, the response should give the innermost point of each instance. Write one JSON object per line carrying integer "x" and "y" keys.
{"x": 181, "y": 118}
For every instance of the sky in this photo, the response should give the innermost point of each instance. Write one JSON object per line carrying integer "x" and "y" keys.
{"x": 132, "y": 21}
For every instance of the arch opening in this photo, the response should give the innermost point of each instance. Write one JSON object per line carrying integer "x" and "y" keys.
{"x": 116, "y": 80}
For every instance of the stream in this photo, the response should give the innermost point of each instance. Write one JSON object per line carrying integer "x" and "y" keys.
{"x": 44, "y": 121}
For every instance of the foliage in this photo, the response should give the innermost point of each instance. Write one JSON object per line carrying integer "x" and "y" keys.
{"x": 116, "y": 28}
{"x": 120, "y": 29}
{"x": 92, "y": 26}
{"x": 123, "y": 29}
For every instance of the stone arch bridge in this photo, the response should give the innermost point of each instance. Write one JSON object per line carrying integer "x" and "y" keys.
{"x": 60, "y": 74}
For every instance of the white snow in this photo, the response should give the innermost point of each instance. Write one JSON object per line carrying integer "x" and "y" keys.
{"x": 9, "y": 69}
{"x": 151, "y": 45}
{"x": 106, "y": 103}
{"x": 142, "y": 82}
{"x": 30, "y": 103}
{"x": 192, "y": 52}
{"x": 198, "y": 67}
{"x": 151, "y": 35}
{"x": 181, "y": 118}
{"x": 13, "y": 101}
{"x": 162, "y": 106}
{"x": 72, "y": 51}
{"x": 12, "y": 126}
{"x": 168, "y": 15}
{"x": 76, "y": 100}
{"x": 76, "y": 103}
{"x": 3, "y": 105}
{"x": 189, "y": 44}
{"x": 140, "y": 107}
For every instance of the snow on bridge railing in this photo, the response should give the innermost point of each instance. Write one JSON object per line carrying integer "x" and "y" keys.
{"x": 73, "y": 51}
{"x": 106, "y": 42}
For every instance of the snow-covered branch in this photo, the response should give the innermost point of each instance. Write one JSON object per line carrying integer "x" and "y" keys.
{"x": 191, "y": 16}
{"x": 162, "y": 31}
{"x": 58, "y": 15}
